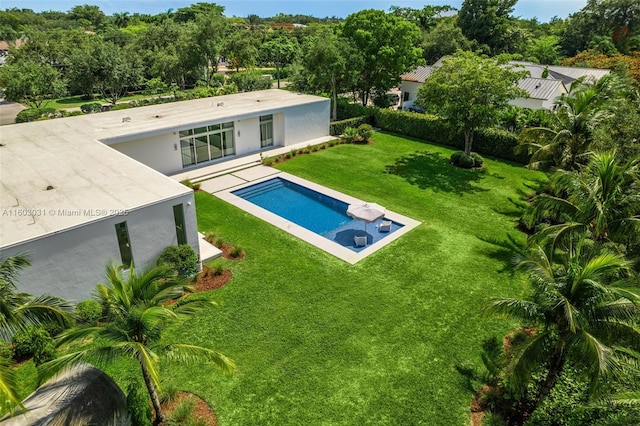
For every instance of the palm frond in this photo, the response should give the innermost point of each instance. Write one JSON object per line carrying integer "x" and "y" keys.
{"x": 8, "y": 384}
{"x": 190, "y": 353}
{"x": 514, "y": 308}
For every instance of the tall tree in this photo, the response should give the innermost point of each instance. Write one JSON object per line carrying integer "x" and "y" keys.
{"x": 117, "y": 72}
{"x": 426, "y": 18}
{"x": 241, "y": 49}
{"x": 138, "y": 310}
{"x": 600, "y": 201}
{"x": 327, "y": 63}
{"x": 208, "y": 34}
{"x": 567, "y": 143}
{"x": 581, "y": 311}
{"x": 470, "y": 92}
{"x": 389, "y": 46}
{"x": 31, "y": 83}
{"x": 279, "y": 51}
{"x": 488, "y": 22}
{"x": 445, "y": 38}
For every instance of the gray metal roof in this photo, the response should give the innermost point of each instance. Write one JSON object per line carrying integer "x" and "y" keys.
{"x": 84, "y": 173}
{"x": 419, "y": 75}
{"x": 570, "y": 74}
{"x": 541, "y": 88}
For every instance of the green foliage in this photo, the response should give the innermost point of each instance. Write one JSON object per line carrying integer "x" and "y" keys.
{"x": 34, "y": 342}
{"x": 182, "y": 259}
{"x": 138, "y": 405}
{"x": 388, "y": 46}
{"x": 347, "y": 110}
{"x": 88, "y": 312}
{"x": 236, "y": 252}
{"x": 489, "y": 23}
{"x": 460, "y": 159}
{"x": 31, "y": 83}
{"x": 193, "y": 185}
{"x": 35, "y": 114}
{"x": 249, "y": 81}
{"x": 469, "y": 92}
{"x": 119, "y": 107}
{"x": 182, "y": 413}
{"x": 92, "y": 107}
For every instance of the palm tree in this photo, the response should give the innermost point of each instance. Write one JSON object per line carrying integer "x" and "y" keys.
{"x": 603, "y": 200}
{"x": 579, "y": 309}
{"x": 137, "y": 310}
{"x": 566, "y": 143}
{"x": 19, "y": 311}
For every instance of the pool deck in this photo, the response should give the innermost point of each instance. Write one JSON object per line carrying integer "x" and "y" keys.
{"x": 223, "y": 186}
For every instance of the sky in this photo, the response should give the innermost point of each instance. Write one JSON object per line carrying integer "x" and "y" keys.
{"x": 543, "y": 10}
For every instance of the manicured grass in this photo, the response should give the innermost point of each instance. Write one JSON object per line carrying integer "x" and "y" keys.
{"x": 318, "y": 341}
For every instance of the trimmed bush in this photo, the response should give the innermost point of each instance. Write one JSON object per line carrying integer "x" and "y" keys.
{"x": 33, "y": 342}
{"x": 348, "y": 110}
{"x": 182, "y": 259}
{"x": 249, "y": 81}
{"x": 90, "y": 108}
{"x": 193, "y": 185}
{"x": 478, "y": 161}
{"x": 460, "y": 159}
{"x": 34, "y": 114}
{"x": 121, "y": 106}
{"x": 88, "y": 312}
{"x": 338, "y": 127}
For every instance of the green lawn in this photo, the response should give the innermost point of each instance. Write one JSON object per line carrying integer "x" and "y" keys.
{"x": 318, "y": 341}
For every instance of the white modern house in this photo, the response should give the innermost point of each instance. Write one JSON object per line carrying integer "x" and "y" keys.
{"x": 545, "y": 84}
{"x": 79, "y": 192}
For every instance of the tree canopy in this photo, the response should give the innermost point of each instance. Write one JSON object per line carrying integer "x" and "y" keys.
{"x": 469, "y": 92}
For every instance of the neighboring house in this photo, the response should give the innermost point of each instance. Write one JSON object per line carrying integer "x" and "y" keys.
{"x": 4, "y": 49}
{"x": 543, "y": 93}
{"x": 545, "y": 84}
{"x": 81, "y": 191}
{"x": 411, "y": 83}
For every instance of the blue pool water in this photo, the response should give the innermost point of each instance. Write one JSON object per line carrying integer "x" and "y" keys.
{"x": 312, "y": 210}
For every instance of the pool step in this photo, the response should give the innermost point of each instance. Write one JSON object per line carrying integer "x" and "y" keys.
{"x": 259, "y": 189}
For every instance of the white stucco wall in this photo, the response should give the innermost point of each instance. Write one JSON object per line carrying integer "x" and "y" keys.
{"x": 306, "y": 122}
{"x": 410, "y": 87}
{"x": 161, "y": 152}
{"x": 291, "y": 125}
{"x": 69, "y": 264}
{"x": 527, "y": 103}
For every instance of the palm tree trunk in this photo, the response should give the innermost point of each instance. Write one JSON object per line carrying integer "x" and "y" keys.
{"x": 555, "y": 367}
{"x": 334, "y": 89}
{"x": 155, "y": 400}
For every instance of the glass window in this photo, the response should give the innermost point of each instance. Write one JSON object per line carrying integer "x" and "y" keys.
{"x": 122, "y": 233}
{"x": 215, "y": 145}
{"x": 202, "y": 149}
{"x": 178, "y": 216}
{"x": 188, "y": 152}
{"x": 212, "y": 142}
{"x": 266, "y": 130}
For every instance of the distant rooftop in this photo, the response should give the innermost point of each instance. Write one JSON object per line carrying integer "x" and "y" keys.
{"x": 540, "y": 88}
{"x": 66, "y": 156}
{"x": 419, "y": 75}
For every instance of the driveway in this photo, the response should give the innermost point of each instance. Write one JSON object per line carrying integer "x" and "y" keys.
{"x": 8, "y": 111}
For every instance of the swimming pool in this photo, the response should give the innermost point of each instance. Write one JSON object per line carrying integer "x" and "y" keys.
{"x": 313, "y": 213}
{"x": 317, "y": 212}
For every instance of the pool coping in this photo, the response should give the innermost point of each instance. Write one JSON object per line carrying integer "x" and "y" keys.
{"x": 311, "y": 237}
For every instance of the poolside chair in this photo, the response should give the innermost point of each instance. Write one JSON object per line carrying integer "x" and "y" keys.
{"x": 385, "y": 226}
{"x": 360, "y": 240}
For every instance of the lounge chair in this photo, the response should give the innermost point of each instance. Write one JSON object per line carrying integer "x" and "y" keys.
{"x": 385, "y": 226}
{"x": 360, "y": 240}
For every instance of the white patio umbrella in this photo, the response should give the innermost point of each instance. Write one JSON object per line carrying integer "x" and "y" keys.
{"x": 367, "y": 212}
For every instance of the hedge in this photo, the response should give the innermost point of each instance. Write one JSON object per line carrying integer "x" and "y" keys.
{"x": 33, "y": 114}
{"x": 494, "y": 142}
{"x": 337, "y": 127}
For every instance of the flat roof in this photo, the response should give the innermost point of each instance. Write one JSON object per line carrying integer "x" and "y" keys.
{"x": 90, "y": 179}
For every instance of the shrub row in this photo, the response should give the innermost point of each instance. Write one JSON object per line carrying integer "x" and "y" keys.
{"x": 37, "y": 114}
{"x": 495, "y": 142}
{"x": 338, "y": 127}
